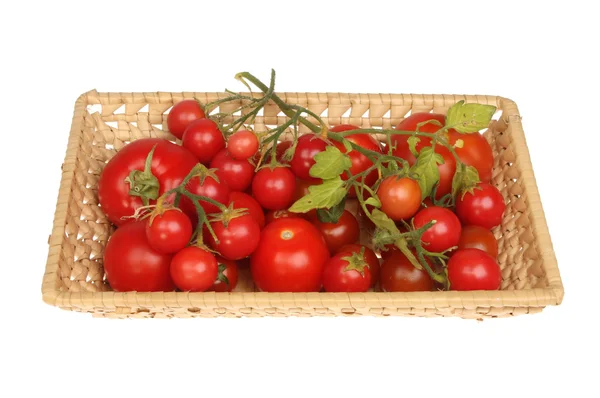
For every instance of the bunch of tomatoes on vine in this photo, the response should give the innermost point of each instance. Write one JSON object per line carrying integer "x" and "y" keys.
{"x": 188, "y": 216}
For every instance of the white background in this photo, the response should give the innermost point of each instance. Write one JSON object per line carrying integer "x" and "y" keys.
{"x": 543, "y": 56}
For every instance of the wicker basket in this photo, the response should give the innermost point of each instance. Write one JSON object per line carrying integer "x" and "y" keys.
{"x": 104, "y": 122}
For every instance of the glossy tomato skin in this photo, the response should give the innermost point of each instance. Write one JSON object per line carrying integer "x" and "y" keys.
{"x": 236, "y": 173}
{"x": 231, "y": 272}
{"x": 400, "y": 197}
{"x": 336, "y": 235}
{"x": 274, "y": 188}
{"x": 337, "y": 278}
{"x": 369, "y": 256}
{"x": 290, "y": 257}
{"x": 194, "y": 269}
{"x": 218, "y": 191}
{"x": 277, "y": 214}
{"x": 170, "y": 165}
{"x": 475, "y": 237}
{"x": 181, "y": 115}
{"x": 444, "y": 234}
{"x": 399, "y": 275}
{"x": 242, "y": 145}
{"x": 204, "y": 139}
{"x": 169, "y": 232}
{"x": 242, "y": 200}
{"x": 484, "y": 207}
{"x": 476, "y": 152}
{"x": 304, "y": 157}
{"x": 131, "y": 264}
{"x": 238, "y": 239}
{"x": 473, "y": 269}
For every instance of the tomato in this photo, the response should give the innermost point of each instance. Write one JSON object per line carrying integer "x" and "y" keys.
{"x": 236, "y": 173}
{"x": 476, "y": 152}
{"x": 242, "y": 145}
{"x": 170, "y": 165}
{"x": 370, "y": 258}
{"x": 388, "y": 251}
{"x": 242, "y": 200}
{"x": 182, "y": 114}
{"x": 400, "y": 197}
{"x": 194, "y": 269}
{"x": 228, "y": 276}
{"x": 475, "y": 237}
{"x": 169, "y": 232}
{"x": 345, "y": 231}
{"x": 236, "y": 240}
{"x": 290, "y": 257}
{"x": 218, "y": 191}
{"x": 484, "y": 207}
{"x": 347, "y": 272}
{"x": 204, "y": 139}
{"x": 304, "y": 157}
{"x": 282, "y": 147}
{"x": 399, "y": 275}
{"x": 473, "y": 269}
{"x": 274, "y": 188}
{"x": 302, "y": 187}
{"x": 444, "y": 234}
{"x": 277, "y": 214}
{"x": 132, "y": 265}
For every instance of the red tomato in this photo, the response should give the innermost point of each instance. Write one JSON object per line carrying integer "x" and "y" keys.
{"x": 236, "y": 240}
{"x": 345, "y": 231}
{"x": 388, "y": 251}
{"x": 290, "y": 257}
{"x": 484, "y": 207}
{"x": 400, "y": 197}
{"x": 182, "y": 114}
{"x": 132, "y": 265}
{"x": 194, "y": 269}
{"x": 304, "y": 157}
{"x": 169, "y": 232}
{"x": 399, "y": 275}
{"x": 474, "y": 237}
{"x": 347, "y": 272}
{"x": 242, "y": 200}
{"x": 204, "y": 139}
{"x": 210, "y": 188}
{"x": 277, "y": 214}
{"x": 473, "y": 269}
{"x": 476, "y": 152}
{"x": 282, "y": 147}
{"x": 236, "y": 173}
{"x": 274, "y": 188}
{"x": 444, "y": 234}
{"x": 228, "y": 276}
{"x": 170, "y": 165}
{"x": 370, "y": 258}
{"x": 242, "y": 145}
{"x": 302, "y": 187}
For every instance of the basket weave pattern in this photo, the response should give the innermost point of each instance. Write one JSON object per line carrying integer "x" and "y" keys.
{"x": 104, "y": 122}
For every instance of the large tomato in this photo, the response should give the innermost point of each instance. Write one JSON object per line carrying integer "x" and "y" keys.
{"x": 304, "y": 157}
{"x": 345, "y": 231}
{"x": 236, "y": 173}
{"x": 132, "y": 265}
{"x": 182, "y": 114}
{"x": 242, "y": 200}
{"x": 170, "y": 164}
{"x": 274, "y": 187}
{"x": 475, "y": 151}
{"x": 290, "y": 257}
{"x": 400, "y": 197}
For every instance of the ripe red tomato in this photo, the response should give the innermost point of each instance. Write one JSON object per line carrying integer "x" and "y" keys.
{"x": 274, "y": 188}
{"x": 204, "y": 139}
{"x": 290, "y": 257}
{"x": 400, "y": 197}
{"x": 170, "y": 165}
{"x": 473, "y": 269}
{"x": 229, "y": 269}
{"x": 210, "y": 188}
{"x": 345, "y": 231}
{"x": 444, "y": 234}
{"x": 182, "y": 114}
{"x": 242, "y": 145}
{"x": 236, "y": 173}
{"x": 399, "y": 275}
{"x": 282, "y": 147}
{"x": 476, "y": 152}
{"x": 484, "y": 207}
{"x": 302, "y": 187}
{"x": 277, "y": 214}
{"x": 132, "y": 265}
{"x": 475, "y": 237}
{"x": 169, "y": 232}
{"x": 194, "y": 269}
{"x": 242, "y": 200}
{"x": 304, "y": 157}
{"x": 342, "y": 273}
{"x": 370, "y": 258}
{"x": 236, "y": 241}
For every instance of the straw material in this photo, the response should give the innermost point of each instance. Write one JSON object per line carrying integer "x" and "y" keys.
{"x": 104, "y": 122}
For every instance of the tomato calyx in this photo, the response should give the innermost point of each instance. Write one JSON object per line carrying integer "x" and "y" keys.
{"x": 143, "y": 183}
{"x": 228, "y": 214}
{"x": 356, "y": 262}
{"x": 202, "y": 172}
{"x": 221, "y": 277}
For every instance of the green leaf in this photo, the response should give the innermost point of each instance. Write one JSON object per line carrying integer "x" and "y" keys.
{"x": 373, "y": 201}
{"x": 426, "y": 169}
{"x": 469, "y": 118}
{"x": 381, "y": 220}
{"x": 330, "y": 163}
{"x": 327, "y": 194}
{"x": 465, "y": 179}
{"x": 332, "y": 215}
{"x": 413, "y": 140}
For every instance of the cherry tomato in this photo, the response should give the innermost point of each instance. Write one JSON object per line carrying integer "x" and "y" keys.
{"x": 475, "y": 237}
{"x": 210, "y": 188}
{"x": 345, "y": 231}
{"x": 473, "y": 269}
{"x": 400, "y": 197}
{"x": 131, "y": 264}
{"x": 194, "y": 269}
{"x": 169, "y": 232}
{"x": 242, "y": 145}
{"x": 302, "y": 187}
{"x": 242, "y": 200}
{"x": 274, "y": 188}
{"x": 282, "y": 147}
{"x": 484, "y": 207}
{"x": 290, "y": 257}
{"x": 476, "y": 152}
{"x": 182, "y": 114}
{"x": 347, "y": 272}
{"x": 204, "y": 139}
{"x": 236, "y": 173}
{"x": 388, "y": 251}
{"x": 370, "y": 258}
{"x": 236, "y": 240}
{"x": 399, "y": 275}
{"x": 304, "y": 157}
{"x": 277, "y": 214}
{"x": 228, "y": 276}
{"x": 444, "y": 234}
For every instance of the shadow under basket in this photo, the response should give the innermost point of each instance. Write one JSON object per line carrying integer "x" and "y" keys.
{"x": 104, "y": 122}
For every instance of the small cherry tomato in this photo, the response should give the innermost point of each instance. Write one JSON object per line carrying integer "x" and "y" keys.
{"x": 484, "y": 207}
{"x": 242, "y": 200}
{"x": 345, "y": 231}
{"x": 346, "y": 272}
{"x": 304, "y": 157}
{"x": 473, "y": 269}
{"x": 236, "y": 240}
{"x": 169, "y": 232}
{"x": 444, "y": 234}
{"x": 370, "y": 258}
{"x": 475, "y": 237}
{"x": 400, "y": 197}
{"x": 274, "y": 188}
{"x": 242, "y": 145}
{"x": 194, "y": 269}
{"x": 204, "y": 139}
{"x": 182, "y": 114}
{"x": 237, "y": 174}
{"x": 209, "y": 187}
{"x": 228, "y": 276}
{"x": 399, "y": 275}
